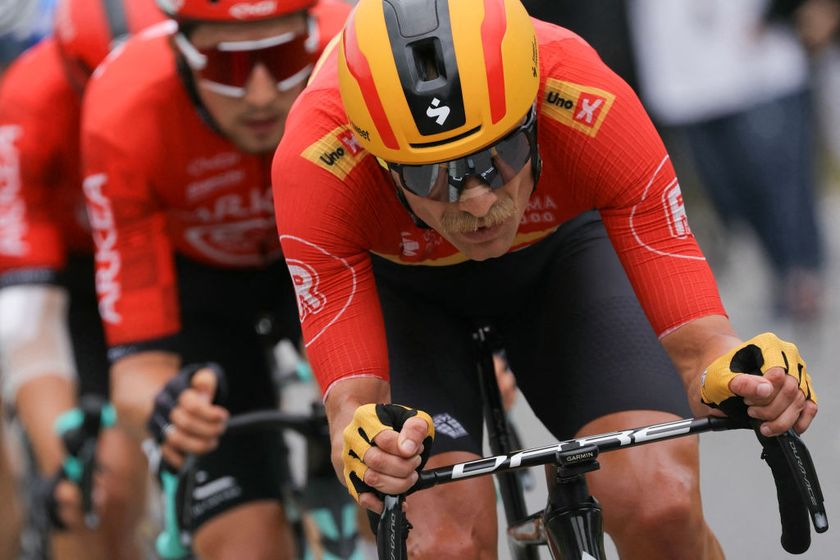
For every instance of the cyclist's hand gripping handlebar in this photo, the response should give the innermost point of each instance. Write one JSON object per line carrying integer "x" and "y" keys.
{"x": 797, "y": 486}
{"x": 368, "y": 422}
{"x": 171, "y": 542}
{"x": 167, "y": 398}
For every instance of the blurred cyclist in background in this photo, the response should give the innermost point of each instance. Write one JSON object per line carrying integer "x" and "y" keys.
{"x": 51, "y": 343}
{"x": 17, "y": 32}
{"x": 177, "y": 138}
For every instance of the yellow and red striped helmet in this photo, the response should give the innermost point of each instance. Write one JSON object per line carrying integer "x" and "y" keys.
{"x": 426, "y": 81}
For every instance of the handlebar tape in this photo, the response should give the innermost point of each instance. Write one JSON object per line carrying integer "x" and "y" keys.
{"x": 797, "y": 486}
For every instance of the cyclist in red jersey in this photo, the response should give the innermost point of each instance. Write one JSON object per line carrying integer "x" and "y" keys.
{"x": 442, "y": 168}
{"x": 51, "y": 343}
{"x": 178, "y": 133}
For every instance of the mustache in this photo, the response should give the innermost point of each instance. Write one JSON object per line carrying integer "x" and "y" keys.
{"x": 459, "y": 222}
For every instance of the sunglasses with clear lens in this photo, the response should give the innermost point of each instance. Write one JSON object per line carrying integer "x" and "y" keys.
{"x": 495, "y": 165}
{"x": 227, "y": 67}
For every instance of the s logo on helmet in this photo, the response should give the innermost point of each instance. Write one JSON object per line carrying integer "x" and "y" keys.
{"x": 438, "y": 113}
{"x": 249, "y": 10}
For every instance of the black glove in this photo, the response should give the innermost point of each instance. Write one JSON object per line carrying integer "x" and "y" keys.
{"x": 167, "y": 398}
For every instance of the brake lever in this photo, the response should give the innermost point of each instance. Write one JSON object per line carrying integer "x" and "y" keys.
{"x": 392, "y": 532}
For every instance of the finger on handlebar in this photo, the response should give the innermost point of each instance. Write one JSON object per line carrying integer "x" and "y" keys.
{"x": 370, "y": 502}
{"x": 411, "y": 437}
{"x": 390, "y": 442}
{"x": 756, "y": 389}
{"x": 205, "y": 383}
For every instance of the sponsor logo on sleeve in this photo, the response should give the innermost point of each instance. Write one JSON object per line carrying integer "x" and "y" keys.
{"x": 13, "y": 226}
{"x": 312, "y": 299}
{"x": 672, "y": 201}
{"x": 337, "y": 151}
{"x": 577, "y": 106}
{"x": 672, "y": 206}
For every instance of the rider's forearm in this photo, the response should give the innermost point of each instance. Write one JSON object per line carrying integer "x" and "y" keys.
{"x": 695, "y": 345}
{"x": 39, "y": 402}
{"x": 343, "y": 399}
{"x": 135, "y": 381}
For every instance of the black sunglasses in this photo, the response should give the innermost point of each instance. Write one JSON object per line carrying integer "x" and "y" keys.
{"x": 495, "y": 165}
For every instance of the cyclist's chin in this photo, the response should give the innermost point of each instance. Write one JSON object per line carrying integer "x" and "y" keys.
{"x": 253, "y": 140}
{"x": 485, "y": 243}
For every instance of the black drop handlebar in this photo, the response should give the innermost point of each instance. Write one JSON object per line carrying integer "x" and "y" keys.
{"x": 797, "y": 486}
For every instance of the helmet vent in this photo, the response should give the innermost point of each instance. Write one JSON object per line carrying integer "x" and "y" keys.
{"x": 427, "y": 60}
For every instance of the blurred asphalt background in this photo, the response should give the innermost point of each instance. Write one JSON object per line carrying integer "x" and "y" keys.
{"x": 738, "y": 494}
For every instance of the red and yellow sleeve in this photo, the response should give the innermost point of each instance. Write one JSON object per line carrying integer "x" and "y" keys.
{"x": 327, "y": 257}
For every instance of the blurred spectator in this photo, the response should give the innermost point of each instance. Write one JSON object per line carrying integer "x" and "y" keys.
{"x": 816, "y": 21}
{"x": 22, "y": 24}
{"x": 603, "y": 24}
{"x": 818, "y": 24}
{"x": 734, "y": 78}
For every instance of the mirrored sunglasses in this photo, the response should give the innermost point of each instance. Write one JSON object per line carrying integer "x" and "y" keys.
{"x": 227, "y": 67}
{"x": 495, "y": 165}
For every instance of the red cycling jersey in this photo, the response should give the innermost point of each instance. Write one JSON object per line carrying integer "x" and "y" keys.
{"x": 159, "y": 179}
{"x": 42, "y": 211}
{"x": 599, "y": 150}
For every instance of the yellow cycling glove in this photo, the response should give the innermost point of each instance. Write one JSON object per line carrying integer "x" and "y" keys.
{"x": 368, "y": 421}
{"x": 755, "y": 356}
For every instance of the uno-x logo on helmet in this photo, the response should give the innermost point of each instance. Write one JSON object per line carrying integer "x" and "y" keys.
{"x": 248, "y": 10}
{"x": 439, "y": 113}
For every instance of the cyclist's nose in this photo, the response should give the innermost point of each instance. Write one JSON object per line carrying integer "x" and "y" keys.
{"x": 477, "y": 197}
{"x": 261, "y": 88}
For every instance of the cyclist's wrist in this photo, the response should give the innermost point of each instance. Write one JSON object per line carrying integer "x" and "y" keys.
{"x": 342, "y": 401}
{"x": 135, "y": 382}
{"x": 347, "y": 395}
